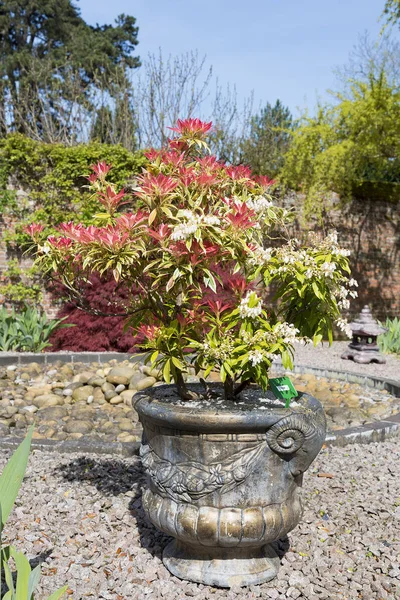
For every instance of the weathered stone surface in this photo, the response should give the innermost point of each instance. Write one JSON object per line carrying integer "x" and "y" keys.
{"x": 29, "y": 409}
{"x": 38, "y": 391}
{"x": 127, "y": 396}
{"x": 96, "y": 381}
{"x": 108, "y": 387}
{"x": 82, "y": 377}
{"x": 67, "y": 371}
{"x": 125, "y": 424}
{"x": 52, "y": 412}
{"x": 98, "y": 395}
{"x": 4, "y": 430}
{"x": 134, "y": 380}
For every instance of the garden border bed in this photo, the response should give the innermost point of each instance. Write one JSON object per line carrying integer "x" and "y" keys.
{"x": 376, "y": 431}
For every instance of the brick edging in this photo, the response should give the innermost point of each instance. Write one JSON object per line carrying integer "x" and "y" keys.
{"x": 49, "y": 358}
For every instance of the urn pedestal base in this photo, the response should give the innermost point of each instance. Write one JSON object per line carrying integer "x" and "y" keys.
{"x": 222, "y": 567}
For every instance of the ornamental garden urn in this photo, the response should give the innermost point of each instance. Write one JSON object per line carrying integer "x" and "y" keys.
{"x": 224, "y": 479}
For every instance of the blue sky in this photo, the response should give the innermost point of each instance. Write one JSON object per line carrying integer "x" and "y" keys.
{"x": 279, "y": 48}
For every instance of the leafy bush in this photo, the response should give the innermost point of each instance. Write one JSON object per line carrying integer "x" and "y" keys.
{"x": 389, "y": 342}
{"x": 53, "y": 177}
{"x": 356, "y": 140}
{"x": 26, "y": 331}
{"x": 95, "y": 332}
{"x": 21, "y": 285}
{"x": 10, "y": 483}
{"x": 50, "y": 187}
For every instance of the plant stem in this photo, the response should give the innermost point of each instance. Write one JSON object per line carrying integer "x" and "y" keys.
{"x": 181, "y": 386}
{"x": 229, "y": 388}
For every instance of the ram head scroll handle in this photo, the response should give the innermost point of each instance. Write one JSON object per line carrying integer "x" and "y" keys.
{"x": 298, "y": 438}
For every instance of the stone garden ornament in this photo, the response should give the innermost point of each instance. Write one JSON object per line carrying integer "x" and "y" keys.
{"x": 196, "y": 243}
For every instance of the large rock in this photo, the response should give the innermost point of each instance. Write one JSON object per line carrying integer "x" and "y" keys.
{"x": 119, "y": 375}
{"x": 82, "y": 393}
{"x": 96, "y": 381}
{"x": 47, "y": 400}
{"x": 127, "y": 396}
{"x": 40, "y": 390}
{"x": 145, "y": 383}
{"x": 73, "y": 426}
{"x": 51, "y": 412}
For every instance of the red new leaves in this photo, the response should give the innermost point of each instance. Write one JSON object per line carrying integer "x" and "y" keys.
{"x": 157, "y": 186}
{"x": 101, "y": 169}
{"x": 192, "y": 127}
{"x": 111, "y": 200}
{"x": 240, "y": 215}
{"x": 187, "y": 211}
{"x": 34, "y": 230}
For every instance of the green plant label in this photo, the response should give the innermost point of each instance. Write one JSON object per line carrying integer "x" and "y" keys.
{"x": 283, "y": 388}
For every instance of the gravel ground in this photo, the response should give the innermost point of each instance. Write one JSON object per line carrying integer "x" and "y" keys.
{"x": 82, "y": 517}
{"x": 329, "y": 357}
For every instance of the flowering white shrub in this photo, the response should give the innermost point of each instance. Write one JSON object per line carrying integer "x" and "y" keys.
{"x": 196, "y": 242}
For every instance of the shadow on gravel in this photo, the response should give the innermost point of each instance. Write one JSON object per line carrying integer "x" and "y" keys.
{"x": 110, "y": 477}
{"x": 114, "y": 477}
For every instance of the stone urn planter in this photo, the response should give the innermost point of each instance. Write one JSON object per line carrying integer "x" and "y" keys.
{"x": 224, "y": 479}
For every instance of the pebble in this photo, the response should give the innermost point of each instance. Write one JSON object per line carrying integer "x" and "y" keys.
{"x": 83, "y": 393}
{"x": 120, "y": 375}
{"x": 47, "y": 400}
{"x": 77, "y": 426}
{"x": 30, "y": 409}
{"x": 115, "y": 399}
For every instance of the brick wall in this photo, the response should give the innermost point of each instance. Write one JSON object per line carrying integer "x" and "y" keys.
{"x": 371, "y": 230}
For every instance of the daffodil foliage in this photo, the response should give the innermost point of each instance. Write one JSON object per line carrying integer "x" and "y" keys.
{"x": 201, "y": 253}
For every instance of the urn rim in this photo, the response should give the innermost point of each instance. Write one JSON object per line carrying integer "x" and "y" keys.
{"x": 200, "y": 419}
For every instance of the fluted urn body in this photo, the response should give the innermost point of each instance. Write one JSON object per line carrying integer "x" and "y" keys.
{"x": 224, "y": 480}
